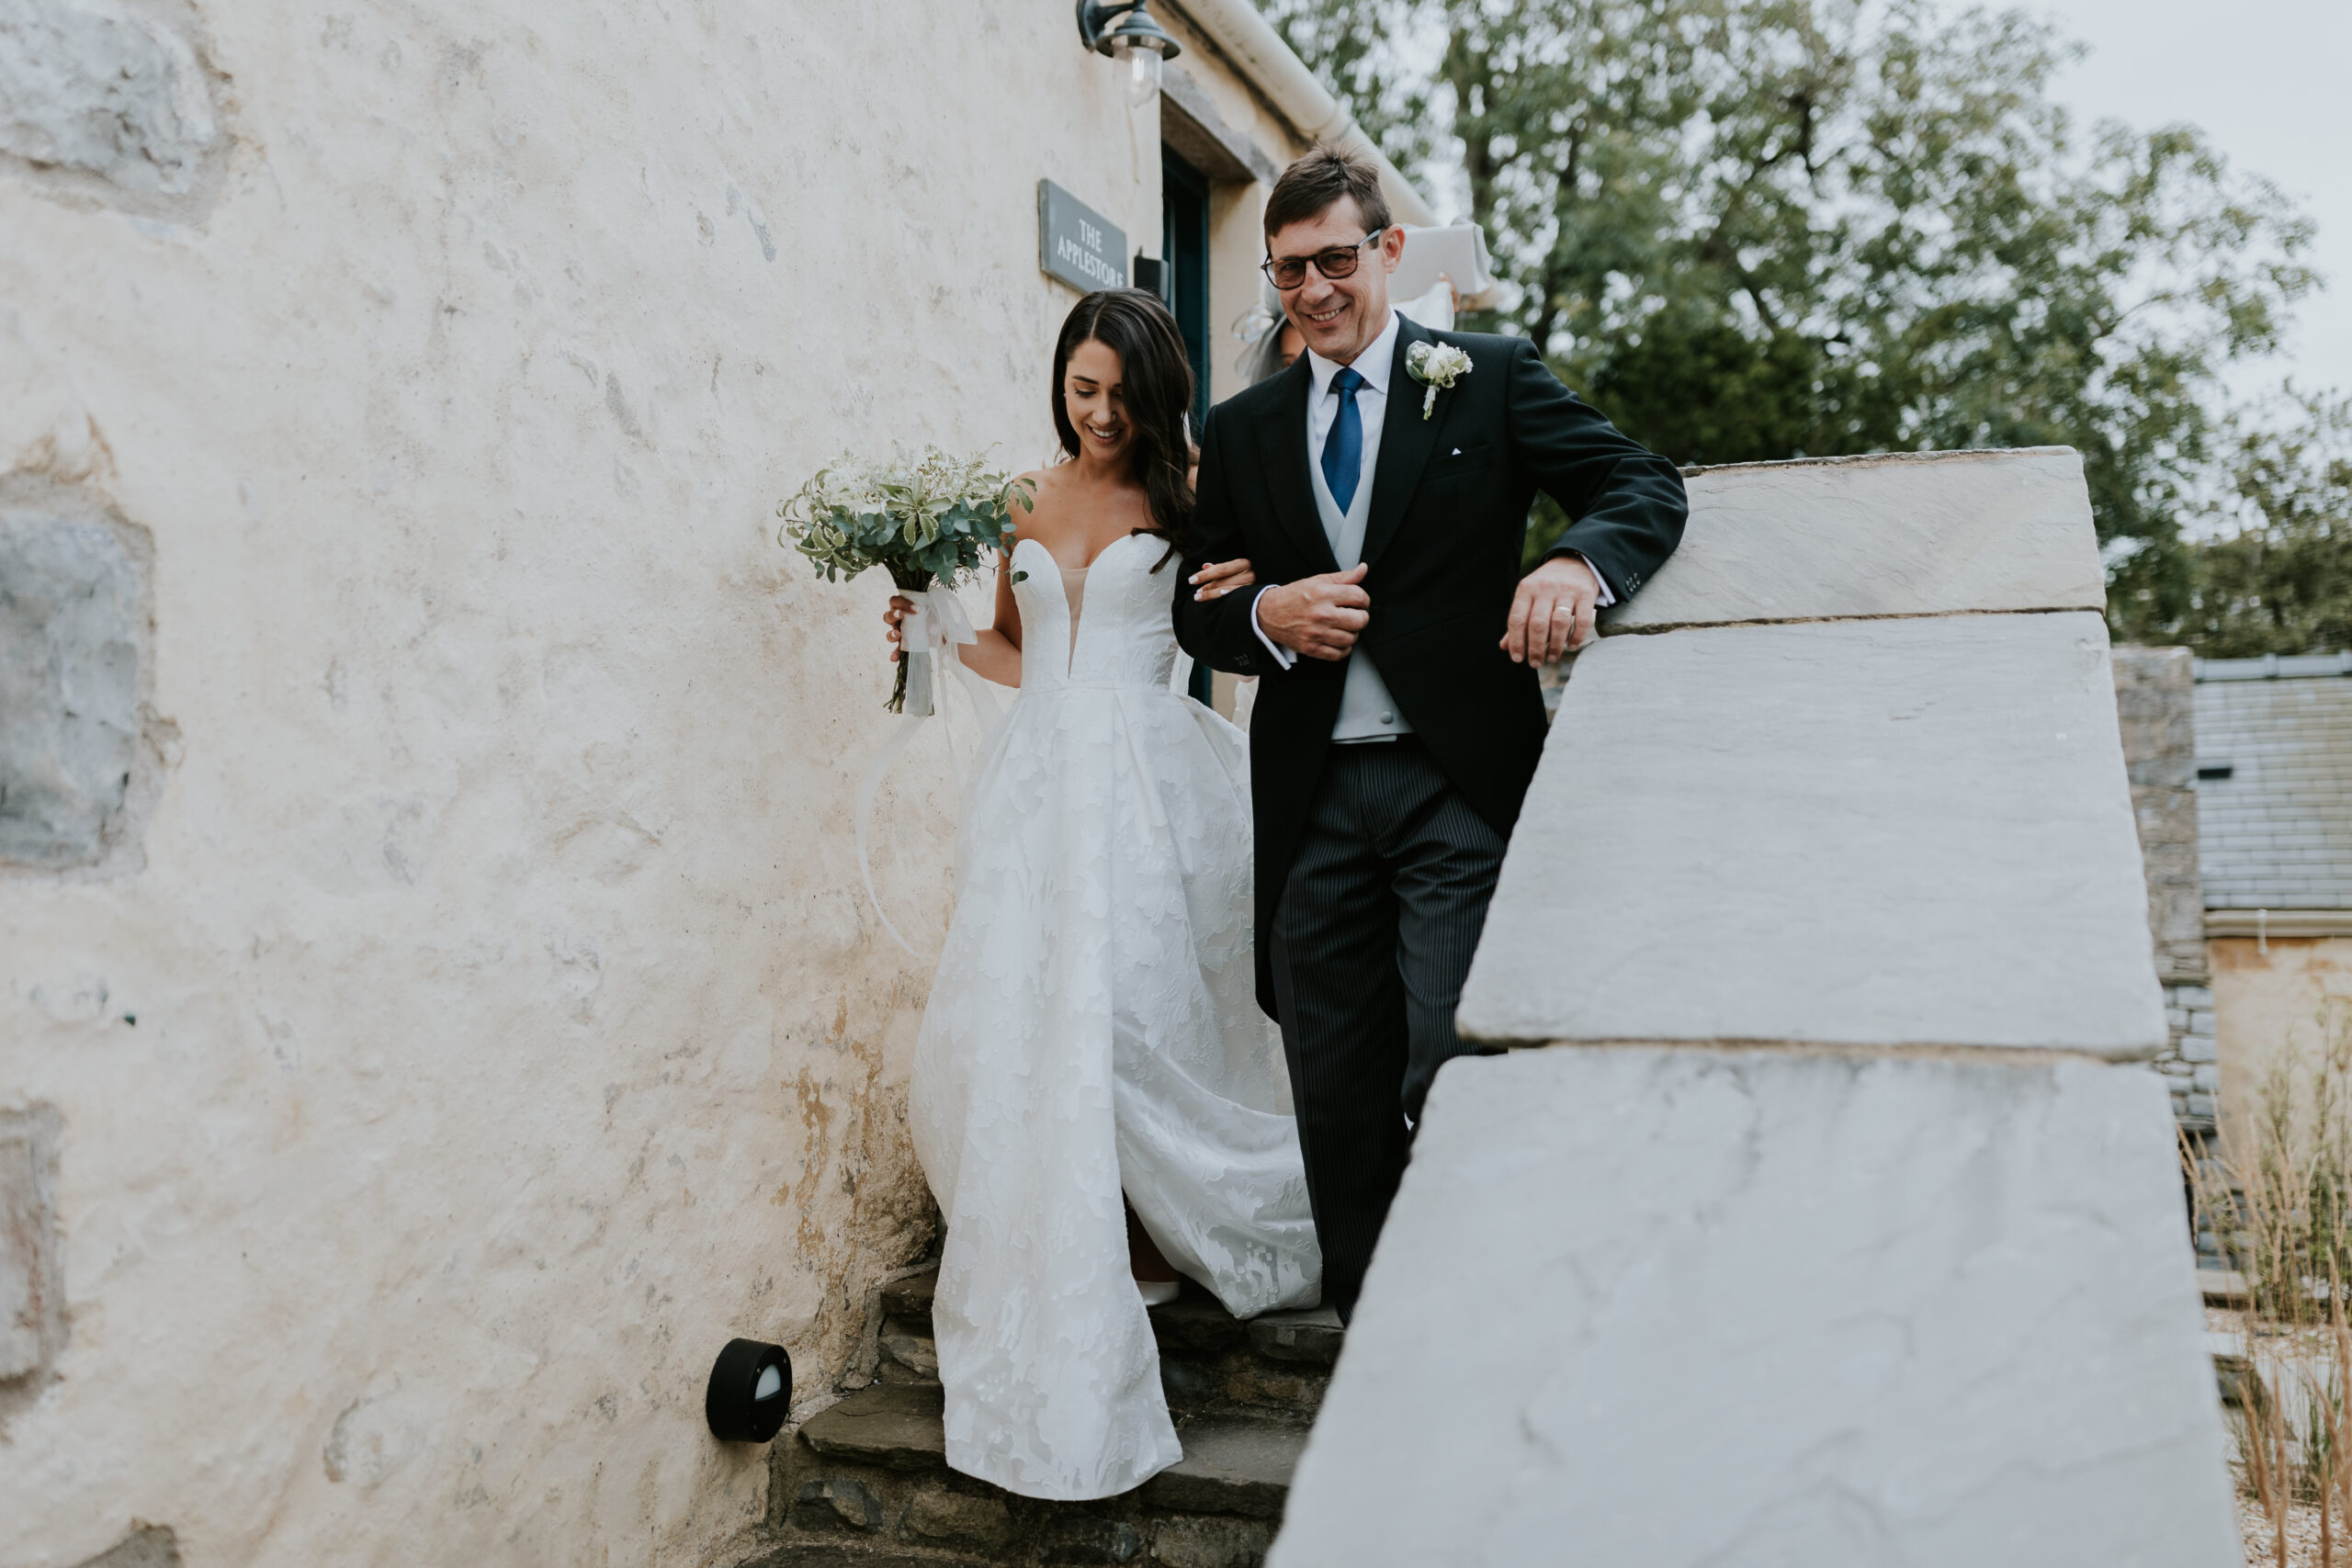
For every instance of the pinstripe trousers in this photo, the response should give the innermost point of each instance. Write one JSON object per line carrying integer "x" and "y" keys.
{"x": 1373, "y": 936}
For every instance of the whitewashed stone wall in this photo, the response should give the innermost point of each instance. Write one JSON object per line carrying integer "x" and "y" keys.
{"x": 436, "y": 1005}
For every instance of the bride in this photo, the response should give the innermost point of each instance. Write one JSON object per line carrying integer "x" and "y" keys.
{"x": 1092, "y": 1029}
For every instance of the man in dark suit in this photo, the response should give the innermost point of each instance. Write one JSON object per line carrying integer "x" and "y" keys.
{"x": 1382, "y": 492}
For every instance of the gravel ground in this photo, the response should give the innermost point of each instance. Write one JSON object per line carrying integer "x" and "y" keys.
{"x": 2303, "y": 1536}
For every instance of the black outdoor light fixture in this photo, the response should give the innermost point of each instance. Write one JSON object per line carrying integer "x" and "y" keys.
{"x": 1125, "y": 30}
{"x": 751, "y": 1389}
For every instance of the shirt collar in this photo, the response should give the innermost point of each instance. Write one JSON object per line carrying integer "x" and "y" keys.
{"x": 1372, "y": 363}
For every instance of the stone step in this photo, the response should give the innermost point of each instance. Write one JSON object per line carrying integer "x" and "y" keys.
{"x": 1192, "y": 1322}
{"x": 1231, "y": 1465}
{"x": 1211, "y": 1363}
{"x": 896, "y": 1426}
{"x": 867, "y": 1484}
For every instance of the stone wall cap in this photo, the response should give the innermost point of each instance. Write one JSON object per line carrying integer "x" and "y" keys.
{"x": 1889, "y": 533}
{"x": 1875, "y": 459}
{"x": 1830, "y": 834}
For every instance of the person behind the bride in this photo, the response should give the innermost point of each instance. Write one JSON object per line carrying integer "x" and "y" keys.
{"x": 1092, "y": 1029}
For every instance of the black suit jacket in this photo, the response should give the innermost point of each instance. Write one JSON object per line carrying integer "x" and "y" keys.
{"x": 1449, "y": 497}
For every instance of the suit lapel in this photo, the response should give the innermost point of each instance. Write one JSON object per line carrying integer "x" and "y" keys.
{"x": 1283, "y": 449}
{"x": 1406, "y": 442}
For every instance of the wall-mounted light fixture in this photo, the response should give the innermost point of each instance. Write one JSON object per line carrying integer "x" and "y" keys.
{"x": 1139, "y": 46}
{"x": 751, "y": 1390}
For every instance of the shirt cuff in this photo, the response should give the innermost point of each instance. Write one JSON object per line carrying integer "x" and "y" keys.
{"x": 1283, "y": 656}
{"x": 1608, "y": 595}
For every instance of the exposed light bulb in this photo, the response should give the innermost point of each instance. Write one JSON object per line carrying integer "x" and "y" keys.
{"x": 1140, "y": 69}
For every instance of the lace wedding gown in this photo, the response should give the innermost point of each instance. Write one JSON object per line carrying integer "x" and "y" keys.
{"x": 1093, "y": 1028}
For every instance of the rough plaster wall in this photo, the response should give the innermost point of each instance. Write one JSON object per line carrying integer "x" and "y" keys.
{"x": 496, "y": 1026}
{"x": 2274, "y": 1009}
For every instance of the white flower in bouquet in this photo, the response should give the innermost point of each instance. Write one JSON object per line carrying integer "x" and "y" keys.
{"x": 928, "y": 520}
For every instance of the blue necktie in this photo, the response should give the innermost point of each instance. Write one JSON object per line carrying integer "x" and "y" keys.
{"x": 1343, "y": 448}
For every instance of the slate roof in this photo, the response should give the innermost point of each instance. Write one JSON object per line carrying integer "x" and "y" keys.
{"x": 2274, "y": 782}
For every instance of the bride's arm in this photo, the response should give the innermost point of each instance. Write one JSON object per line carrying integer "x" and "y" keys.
{"x": 997, "y": 656}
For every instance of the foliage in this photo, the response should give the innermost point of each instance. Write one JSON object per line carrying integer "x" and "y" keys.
{"x": 922, "y": 522}
{"x": 2282, "y": 1195}
{"x": 2272, "y": 570}
{"x": 1762, "y": 228}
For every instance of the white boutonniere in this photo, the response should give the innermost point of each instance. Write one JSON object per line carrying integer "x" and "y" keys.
{"x": 1436, "y": 366}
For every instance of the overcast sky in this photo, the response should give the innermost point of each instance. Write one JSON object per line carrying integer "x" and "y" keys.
{"x": 2266, "y": 80}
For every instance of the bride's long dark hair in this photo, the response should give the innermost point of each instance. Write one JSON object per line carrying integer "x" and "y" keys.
{"x": 1157, "y": 384}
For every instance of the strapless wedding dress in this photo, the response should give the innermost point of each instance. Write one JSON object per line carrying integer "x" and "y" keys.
{"x": 1093, "y": 1028}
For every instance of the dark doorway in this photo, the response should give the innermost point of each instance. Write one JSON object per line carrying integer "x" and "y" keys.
{"x": 1184, "y": 285}
{"x": 1184, "y": 275}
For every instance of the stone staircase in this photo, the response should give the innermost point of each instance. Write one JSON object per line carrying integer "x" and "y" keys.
{"x": 866, "y": 1484}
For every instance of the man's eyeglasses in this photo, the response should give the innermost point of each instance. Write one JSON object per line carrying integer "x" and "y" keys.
{"x": 1339, "y": 262}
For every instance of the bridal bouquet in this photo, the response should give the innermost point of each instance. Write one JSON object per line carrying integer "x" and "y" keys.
{"x": 925, "y": 522}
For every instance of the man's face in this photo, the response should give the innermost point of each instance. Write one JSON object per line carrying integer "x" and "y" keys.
{"x": 1340, "y": 318}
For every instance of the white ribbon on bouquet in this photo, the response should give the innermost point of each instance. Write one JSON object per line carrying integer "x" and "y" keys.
{"x": 934, "y": 627}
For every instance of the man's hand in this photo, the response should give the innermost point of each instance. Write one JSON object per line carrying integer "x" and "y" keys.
{"x": 1317, "y": 617}
{"x": 1551, "y": 613}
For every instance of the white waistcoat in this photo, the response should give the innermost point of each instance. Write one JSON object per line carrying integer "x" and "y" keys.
{"x": 1366, "y": 710}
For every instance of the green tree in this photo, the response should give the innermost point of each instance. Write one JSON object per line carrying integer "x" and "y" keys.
{"x": 1762, "y": 228}
{"x": 2271, "y": 570}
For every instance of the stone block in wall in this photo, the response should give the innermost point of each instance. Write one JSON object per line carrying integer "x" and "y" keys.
{"x": 1830, "y": 833}
{"x": 112, "y": 103}
{"x": 2155, "y": 705}
{"x": 72, "y": 636}
{"x": 1772, "y": 1307}
{"x": 32, "y": 1310}
{"x": 1899, "y": 534}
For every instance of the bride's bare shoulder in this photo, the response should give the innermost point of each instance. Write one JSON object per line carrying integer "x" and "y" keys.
{"x": 1044, "y": 518}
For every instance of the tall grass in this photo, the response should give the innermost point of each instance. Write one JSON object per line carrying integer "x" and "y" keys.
{"x": 2281, "y": 1197}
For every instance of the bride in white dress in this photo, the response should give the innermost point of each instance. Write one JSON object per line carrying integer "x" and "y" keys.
{"x": 1092, "y": 1029}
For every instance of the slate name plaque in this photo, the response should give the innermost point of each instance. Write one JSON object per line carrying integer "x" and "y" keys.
{"x": 1078, "y": 245}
